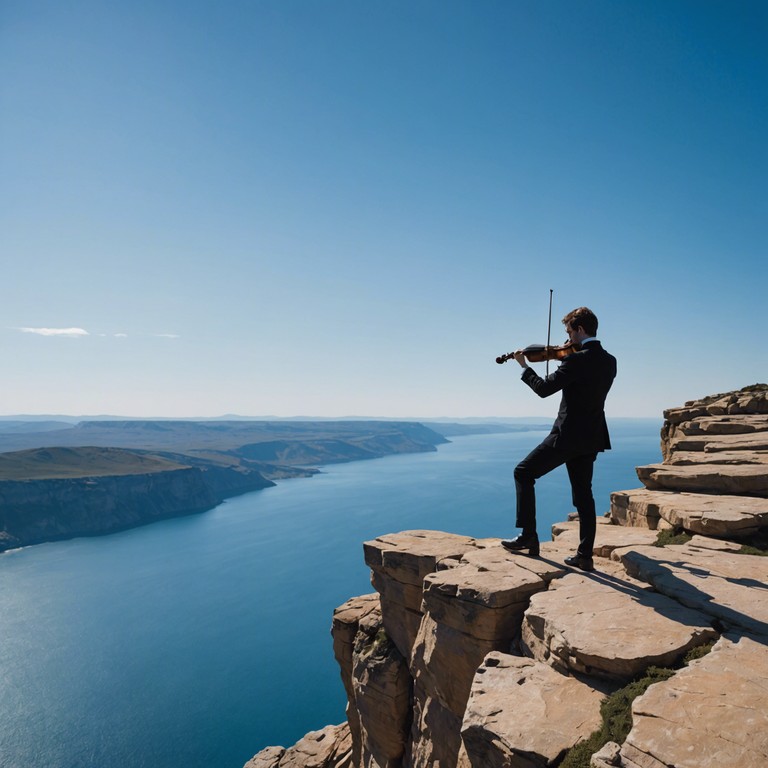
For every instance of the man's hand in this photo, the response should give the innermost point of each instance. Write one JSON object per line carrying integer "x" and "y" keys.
{"x": 520, "y": 357}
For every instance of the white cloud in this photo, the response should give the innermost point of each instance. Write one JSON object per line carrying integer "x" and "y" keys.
{"x": 70, "y": 332}
{"x": 120, "y": 335}
{"x": 166, "y": 335}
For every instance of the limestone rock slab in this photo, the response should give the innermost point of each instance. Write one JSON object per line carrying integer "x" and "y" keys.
{"x": 607, "y": 538}
{"x": 712, "y": 714}
{"x": 329, "y": 747}
{"x": 747, "y": 400}
{"x": 381, "y": 695}
{"x": 471, "y": 609}
{"x": 732, "y": 424}
{"x": 345, "y": 627}
{"x": 435, "y": 734}
{"x": 444, "y": 661}
{"x": 486, "y": 594}
{"x": 748, "y": 479}
{"x": 757, "y": 441}
{"x": 523, "y": 713}
{"x": 603, "y": 628}
{"x": 399, "y": 563}
{"x": 409, "y": 556}
{"x": 706, "y": 514}
{"x": 269, "y": 757}
{"x": 682, "y": 458}
{"x": 727, "y": 586}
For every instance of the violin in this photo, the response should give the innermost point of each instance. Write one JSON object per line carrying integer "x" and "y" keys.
{"x": 538, "y": 353}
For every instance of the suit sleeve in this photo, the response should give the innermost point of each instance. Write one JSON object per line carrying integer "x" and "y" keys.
{"x": 564, "y": 375}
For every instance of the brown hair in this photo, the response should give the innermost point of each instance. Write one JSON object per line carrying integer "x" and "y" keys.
{"x": 583, "y": 317}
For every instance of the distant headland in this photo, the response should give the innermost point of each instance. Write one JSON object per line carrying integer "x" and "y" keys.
{"x": 60, "y": 480}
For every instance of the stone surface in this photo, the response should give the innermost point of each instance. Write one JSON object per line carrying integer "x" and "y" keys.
{"x": 382, "y": 695}
{"x": 608, "y": 756}
{"x": 377, "y": 683}
{"x": 682, "y": 458}
{"x": 707, "y": 514}
{"x": 435, "y": 734}
{"x": 747, "y": 479}
{"x": 606, "y": 628}
{"x": 607, "y": 538}
{"x": 267, "y": 758}
{"x": 712, "y": 714}
{"x": 344, "y": 629}
{"x": 757, "y": 441}
{"x": 725, "y": 424}
{"x": 471, "y": 609}
{"x": 749, "y": 400}
{"x": 727, "y": 586}
{"x": 409, "y": 556}
{"x": 521, "y": 713}
{"x": 486, "y": 594}
{"x": 326, "y": 748}
{"x": 399, "y": 563}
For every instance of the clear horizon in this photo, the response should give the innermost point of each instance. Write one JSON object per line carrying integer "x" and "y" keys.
{"x": 289, "y": 207}
{"x": 236, "y": 416}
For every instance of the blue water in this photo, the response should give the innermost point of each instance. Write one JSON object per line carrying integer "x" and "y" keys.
{"x": 198, "y": 641}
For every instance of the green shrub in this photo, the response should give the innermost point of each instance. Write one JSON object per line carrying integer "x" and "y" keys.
{"x": 672, "y": 536}
{"x": 697, "y": 652}
{"x": 616, "y": 711}
{"x": 746, "y": 549}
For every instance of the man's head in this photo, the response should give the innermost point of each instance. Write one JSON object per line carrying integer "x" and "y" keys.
{"x": 580, "y": 324}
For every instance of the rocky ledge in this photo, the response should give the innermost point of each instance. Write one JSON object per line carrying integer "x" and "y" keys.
{"x": 467, "y": 655}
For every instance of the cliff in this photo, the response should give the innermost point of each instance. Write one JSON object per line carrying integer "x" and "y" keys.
{"x": 102, "y": 477}
{"x": 56, "y": 493}
{"x": 467, "y": 655}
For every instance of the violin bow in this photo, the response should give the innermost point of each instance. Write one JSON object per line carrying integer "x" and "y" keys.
{"x": 549, "y": 325}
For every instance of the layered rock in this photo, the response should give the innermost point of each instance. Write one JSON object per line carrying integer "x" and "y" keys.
{"x": 719, "y": 421}
{"x": 33, "y": 511}
{"x": 523, "y": 713}
{"x": 474, "y": 607}
{"x": 330, "y": 747}
{"x": 729, "y": 587}
{"x": 470, "y": 656}
{"x": 567, "y": 627}
{"x": 707, "y": 514}
{"x": 749, "y": 479}
{"x": 713, "y": 713}
{"x": 714, "y": 476}
{"x": 399, "y": 564}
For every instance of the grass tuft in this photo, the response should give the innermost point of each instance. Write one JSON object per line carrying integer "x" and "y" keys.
{"x": 672, "y": 536}
{"x": 616, "y": 712}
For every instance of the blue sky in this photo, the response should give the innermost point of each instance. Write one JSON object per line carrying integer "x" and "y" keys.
{"x": 351, "y": 208}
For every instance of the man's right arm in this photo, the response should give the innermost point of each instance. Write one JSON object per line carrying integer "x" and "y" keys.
{"x": 560, "y": 378}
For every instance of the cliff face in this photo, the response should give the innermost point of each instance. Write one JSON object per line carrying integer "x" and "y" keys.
{"x": 32, "y": 511}
{"x": 132, "y": 473}
{"x": 467, "y": 655}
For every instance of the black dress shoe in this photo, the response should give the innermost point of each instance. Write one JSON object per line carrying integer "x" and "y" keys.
{"x": 523, "y": 541}
{"x": 579, "y": 561}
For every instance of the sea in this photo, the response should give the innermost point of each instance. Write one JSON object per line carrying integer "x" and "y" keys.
{"x": 198, "y": 641}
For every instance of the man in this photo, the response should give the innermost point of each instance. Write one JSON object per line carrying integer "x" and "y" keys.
{"x": 578, "y": 434}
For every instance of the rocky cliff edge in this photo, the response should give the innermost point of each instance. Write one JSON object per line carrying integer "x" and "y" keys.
{"x": 470, "y": 656}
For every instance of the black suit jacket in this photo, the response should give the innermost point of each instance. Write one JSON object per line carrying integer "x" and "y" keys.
{"x": 584, "y": 378}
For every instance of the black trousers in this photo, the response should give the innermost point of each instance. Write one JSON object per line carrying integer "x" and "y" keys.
{"x": 543, "y": 459}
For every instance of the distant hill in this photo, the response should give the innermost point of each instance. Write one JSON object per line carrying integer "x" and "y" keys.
{"x": 185, "y": 436}
{"x": 12, "y": 426}
{"x": 50, "y": 463}
{"x": 103, "y": 476}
